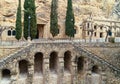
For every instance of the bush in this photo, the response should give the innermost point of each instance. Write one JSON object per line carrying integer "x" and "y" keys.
{"x": 111, "y": 40}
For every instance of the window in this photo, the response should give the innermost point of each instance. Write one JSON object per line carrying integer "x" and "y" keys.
{"x": 101, "y": 34}
{"x": 9, "y": 32}
{"x": 13, "y": 32}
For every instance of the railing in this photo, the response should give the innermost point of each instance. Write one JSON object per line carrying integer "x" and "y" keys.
{"x": 13, "y": 43}
{"x": 117, "y": 39}
{"x": 99, "y": 59}
{"x": 14, "y": 55}
{"x": 100, "y": 40}
{"x": 67, "y": 40}
{"x": 23, "y": 43}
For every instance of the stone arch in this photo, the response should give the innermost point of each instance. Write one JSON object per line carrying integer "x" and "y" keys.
{"x": 95, "y": 69}
{"x": 95, "y": 75}
{"x": 38, "y": 63}
{"x": 6, "y": 74}
{"x": 67, "y": 61}
{"x": 23, "y": 68}
{"x": 80, "y": 64}
{"x": 53, "y": 61}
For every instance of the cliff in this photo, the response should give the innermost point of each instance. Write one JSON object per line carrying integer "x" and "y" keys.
{"x": 82, "y": 9}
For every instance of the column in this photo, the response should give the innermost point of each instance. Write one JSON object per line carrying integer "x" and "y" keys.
{"x": 30, "y": 72}
{"x": 74, "y": 80}
{"x": 46, "y": 69}
{"x": 14, "y": 77}
{"x": 103, "y": 78}
{"x": 14, "y": 72}
{"x": 61, "y": 71}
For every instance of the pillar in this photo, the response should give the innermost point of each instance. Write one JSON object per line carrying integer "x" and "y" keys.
{"x": 74, "y": 81}
{"x": 61, "y": 71}
{"x": 13, "y": 77}
{"x": 46, "y": 69}
{"x": 30, "y": 71}
{"x": 14, "y": 72}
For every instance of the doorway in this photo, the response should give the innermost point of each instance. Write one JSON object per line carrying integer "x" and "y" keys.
{"x": 40, "y": 31}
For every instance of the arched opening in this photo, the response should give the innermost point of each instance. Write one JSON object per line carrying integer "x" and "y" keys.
{"x": 67, "y": 61}
{"x": 6, "y": 74}
{"x": 96, "y": 77}
{"x": 80, "y": 64}
{"x": 38, "y": 63}
{"x": 53, "y": 62}
{"x": 95, "y": 69}
{"x": 23, "y": 68}
{"x": 13, "y": 32}
{"x": 9, "y": 32}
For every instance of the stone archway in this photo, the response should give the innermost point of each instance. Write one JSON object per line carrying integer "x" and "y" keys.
{"x": 23, "y": 72}
{"x": 53, "y": 62}
{"x": 80, "y": 64}
{"x": 38, "y": 68}
{"x": 95, "y": 69}
{"x": 95, "y": 76}
{"x": 67, "y": 68}
{"x": 53, "y": 65}
{"x": 38, "y": 64}
{"x": 5, "y": 73}
{"x": 6, "y": 77}
{"x": 67, "y": 61}
{"x": 23, "y": 68}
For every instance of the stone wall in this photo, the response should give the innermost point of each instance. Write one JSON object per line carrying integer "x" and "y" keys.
{"x": 61, "y": 75}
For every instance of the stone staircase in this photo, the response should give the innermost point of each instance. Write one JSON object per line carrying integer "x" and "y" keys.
{"x": 14, "y": 55}
{"x": 97, "y": 58}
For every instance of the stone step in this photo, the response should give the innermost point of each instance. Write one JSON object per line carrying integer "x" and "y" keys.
{"x": 97, "y": 58}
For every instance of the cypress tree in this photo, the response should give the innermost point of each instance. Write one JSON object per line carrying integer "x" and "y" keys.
{"x": 53, "y": 18}
{"x": 30, "y": 10}
{"x": 26, "y": 14}
{"x": 33, "y": 20}
{"x": 18, "y": 22}
{"x": 69, "y": 23}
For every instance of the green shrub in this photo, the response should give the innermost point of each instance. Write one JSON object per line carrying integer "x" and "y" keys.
{"x": 111, "y": 40}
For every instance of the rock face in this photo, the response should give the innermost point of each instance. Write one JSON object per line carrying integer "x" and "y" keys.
{"x": 82, "y": 8}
